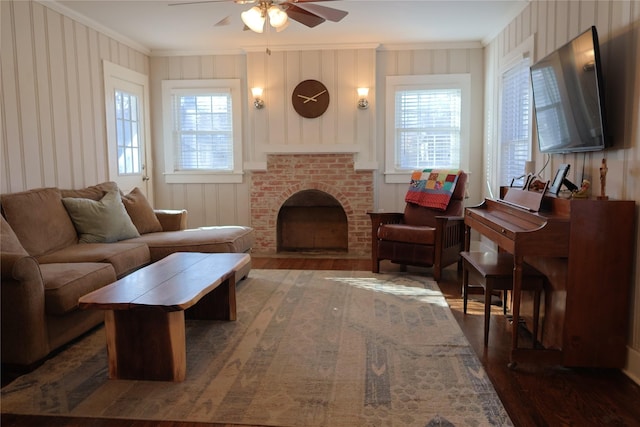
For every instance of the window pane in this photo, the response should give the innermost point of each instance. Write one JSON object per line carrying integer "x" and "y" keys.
{"x": 428, "y": 128}
{"x": 204, "y": 132}
{"x": 515, "y": 127}
{"x": 127, "y": 133}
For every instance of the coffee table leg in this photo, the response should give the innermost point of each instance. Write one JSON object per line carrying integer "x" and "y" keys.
{"x": 146, "y": 344}
{"x": 219, "y": 304}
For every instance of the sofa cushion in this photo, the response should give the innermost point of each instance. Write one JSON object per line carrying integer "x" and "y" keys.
{"x": 102, "y": 221}
{"x": 407, "y": 233}
{"x": 65, "y": 283}
{"x": 39, "y": 219}
{"x": 206, "y": 239}
{"x": 124, "y": 257}
{"x": 95, "y": 192}
{"x": 9, "y": 242}
{"x": 141, "y": 212}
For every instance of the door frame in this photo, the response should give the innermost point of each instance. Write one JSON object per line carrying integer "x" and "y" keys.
{"x": 112, "y": 74}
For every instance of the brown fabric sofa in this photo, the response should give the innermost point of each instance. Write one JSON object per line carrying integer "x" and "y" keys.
{"x": 54, "y": 249}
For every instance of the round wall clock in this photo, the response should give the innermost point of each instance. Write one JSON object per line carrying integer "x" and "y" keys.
{"x": 310, "y": 98}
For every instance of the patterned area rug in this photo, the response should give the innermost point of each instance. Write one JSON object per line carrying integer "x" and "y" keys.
{"x": 309, "y": 348}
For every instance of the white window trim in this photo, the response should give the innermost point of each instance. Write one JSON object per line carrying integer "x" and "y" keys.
{"x": 209, "y": 177}
{"x": 431, "y": 81}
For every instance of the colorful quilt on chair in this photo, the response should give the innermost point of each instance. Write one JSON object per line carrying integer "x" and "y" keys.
{"x": 432, "y": 188}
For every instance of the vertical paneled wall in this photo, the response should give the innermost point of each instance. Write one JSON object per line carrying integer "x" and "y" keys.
{"x": 276, "y": 128}
{"x": 342, "y": 128}
{"x": 208, "y": 204}
{"x": 53, "y": 121}
{"x": 459, "y": 60}
{"x": 554, "y": 23}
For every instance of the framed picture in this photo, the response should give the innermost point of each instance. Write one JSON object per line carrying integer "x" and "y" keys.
{"x": 561, "y": 174}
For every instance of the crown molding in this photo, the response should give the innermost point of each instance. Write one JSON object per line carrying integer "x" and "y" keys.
{"x": 63, "y": 10}
{"x": 334, "y": 46}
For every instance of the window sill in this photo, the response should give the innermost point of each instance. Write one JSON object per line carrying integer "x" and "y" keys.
{"x": 397, "y": 177}
{"x": 204, "y": 178}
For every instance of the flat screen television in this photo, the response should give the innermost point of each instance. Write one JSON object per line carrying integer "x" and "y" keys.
{"x": 568, "y": 96}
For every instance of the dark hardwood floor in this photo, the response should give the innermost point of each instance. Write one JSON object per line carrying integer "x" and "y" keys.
{"x": 533, "y": 395}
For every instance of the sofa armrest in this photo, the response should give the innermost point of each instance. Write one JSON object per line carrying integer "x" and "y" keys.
{"x": 172, "y": 219}
{"x": 24, "y": 330}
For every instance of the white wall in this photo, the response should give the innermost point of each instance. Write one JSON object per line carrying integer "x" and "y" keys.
{"x": 430, "y": 60}
{"x": 343, "y": 128}
{"x": 208, "y": 204}
{"x": 552, "y": 24}
{"x": 53, "y": 119}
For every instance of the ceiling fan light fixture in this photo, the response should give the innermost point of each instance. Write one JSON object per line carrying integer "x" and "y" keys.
{"x": 277, "y": 16}
{"x": 254, "y": 19}
{"x": 283, "y": 26}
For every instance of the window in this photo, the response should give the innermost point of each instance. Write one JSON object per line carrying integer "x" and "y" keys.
{"x": 202, "y": 131}
{"x": 127, "y": 132}
{"x": 515, "y": 122}
{"x": 427, "y": 123}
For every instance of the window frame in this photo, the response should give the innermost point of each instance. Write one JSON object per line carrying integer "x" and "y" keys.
{"x": 395, "y": 84}
{"x": 173, "y": 176}
{"x": 117, "y": 77}
{"x": 492, "y": 159}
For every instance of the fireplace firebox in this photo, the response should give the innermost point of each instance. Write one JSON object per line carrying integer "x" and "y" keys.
{"x": 312, "y": 220}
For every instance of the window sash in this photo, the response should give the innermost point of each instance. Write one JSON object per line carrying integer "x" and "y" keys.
{"x": 203, "y": 131}
{"x": 515, "y": 122}
{"x": 127, "y": 133}
{"x": 427, "y": 128}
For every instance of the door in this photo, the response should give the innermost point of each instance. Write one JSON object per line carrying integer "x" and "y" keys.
{"x": 127, "y": 100}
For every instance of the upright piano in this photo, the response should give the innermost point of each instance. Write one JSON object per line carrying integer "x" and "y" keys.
{"x": 585, "y": 247}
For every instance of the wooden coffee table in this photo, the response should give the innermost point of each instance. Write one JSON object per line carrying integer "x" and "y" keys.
{"x": 145, "y": 311}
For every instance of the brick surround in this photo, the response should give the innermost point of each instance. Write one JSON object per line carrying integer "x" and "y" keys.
{"x": 334, "y": 174}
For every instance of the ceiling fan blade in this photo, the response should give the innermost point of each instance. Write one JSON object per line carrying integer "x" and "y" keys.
{"x": 224, "y": 21}
{"x": 302, "y": 16}
{"x": 329, "y": 13}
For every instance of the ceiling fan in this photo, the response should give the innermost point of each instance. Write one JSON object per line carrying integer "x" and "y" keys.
{"x": 278, "y": 13}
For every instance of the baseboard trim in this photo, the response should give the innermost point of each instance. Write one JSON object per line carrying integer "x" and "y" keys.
{"x": 632, "y": 368}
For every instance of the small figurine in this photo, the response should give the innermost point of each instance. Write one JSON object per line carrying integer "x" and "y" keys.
{"x": 536, "y": 185}
{"x": 603, "y": 180}
{"x": 583, "y": 191}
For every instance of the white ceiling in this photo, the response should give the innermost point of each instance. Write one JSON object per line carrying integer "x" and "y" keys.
{"x": 162, "y": 29}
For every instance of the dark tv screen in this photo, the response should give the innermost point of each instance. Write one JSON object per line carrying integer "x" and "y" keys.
{"x": 568, "y": 97}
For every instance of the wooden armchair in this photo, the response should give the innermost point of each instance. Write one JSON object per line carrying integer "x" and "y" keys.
{"x": 420, "y": 236}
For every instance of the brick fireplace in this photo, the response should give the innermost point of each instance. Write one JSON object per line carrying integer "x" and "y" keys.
{"x": 290, "y": 174}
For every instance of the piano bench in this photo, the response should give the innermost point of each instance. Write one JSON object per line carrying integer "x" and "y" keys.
{"x": 494, "y": 272}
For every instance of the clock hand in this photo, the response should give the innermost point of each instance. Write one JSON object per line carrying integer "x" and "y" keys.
{"x": 313, "y": 98}
{"x": 307, "y": 98}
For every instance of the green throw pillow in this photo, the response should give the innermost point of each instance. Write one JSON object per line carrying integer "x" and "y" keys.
{"x": 100, "y": 221}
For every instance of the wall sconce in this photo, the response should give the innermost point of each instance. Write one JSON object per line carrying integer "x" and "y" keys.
{"x": 363, "y": 92}
{"x": 258, "y": 102}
